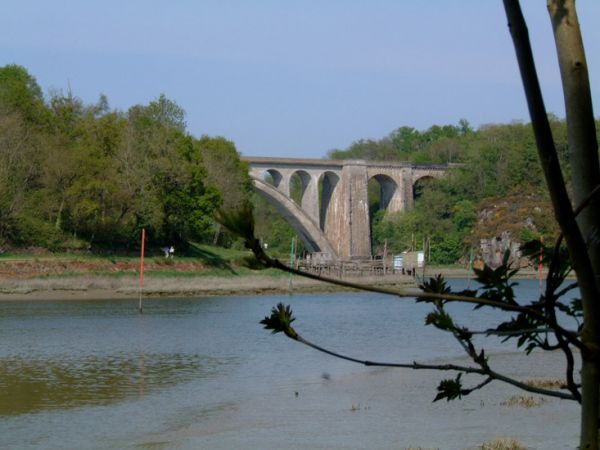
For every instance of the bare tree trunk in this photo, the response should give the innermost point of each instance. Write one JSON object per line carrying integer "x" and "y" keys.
{"x": 583, "y": 144}
{"x": 585, "y": 175}
{"x": 574, "y": 235}
{"x": 217, "y": 234}
{"x": 58, "y": 222}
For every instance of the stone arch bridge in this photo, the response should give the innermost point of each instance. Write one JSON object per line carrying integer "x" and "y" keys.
{"x": 332, "y": 216}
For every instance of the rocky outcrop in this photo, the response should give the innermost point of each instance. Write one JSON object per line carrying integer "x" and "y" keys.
{"x": 492, "y": 250}
{"x": 505, "y": 224}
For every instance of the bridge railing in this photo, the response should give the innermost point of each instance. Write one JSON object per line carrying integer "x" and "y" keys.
{"x": 346, "y": 268}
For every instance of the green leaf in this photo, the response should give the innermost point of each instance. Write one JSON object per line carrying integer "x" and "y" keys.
{"x": 449, "y": 389}
{"x": 280, "y": 320}
{"x": 440, "y": 319}
{"x": 436, "y": 285}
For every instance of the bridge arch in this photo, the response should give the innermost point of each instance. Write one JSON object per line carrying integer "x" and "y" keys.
{"x": 298, "y": 185}
{"x": 419, "y": 184}
{"x": 310, "y": 233}
{"x": 275, "y": 175}
{"x": 328, "y": 183}
{"x": 387, "y": 189}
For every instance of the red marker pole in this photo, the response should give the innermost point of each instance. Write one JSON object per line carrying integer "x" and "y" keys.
{"x": 142, "y": 266}
{"x": 541, "y": 262}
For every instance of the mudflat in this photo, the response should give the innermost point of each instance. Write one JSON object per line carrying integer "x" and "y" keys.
{"x": 56, "y": 279}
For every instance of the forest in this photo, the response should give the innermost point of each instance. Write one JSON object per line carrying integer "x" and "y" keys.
{"x": 87, "y": 177}
{"x": 79, "y": 177}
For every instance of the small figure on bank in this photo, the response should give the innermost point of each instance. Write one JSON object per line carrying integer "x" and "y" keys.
{"x": 171, "y": 251}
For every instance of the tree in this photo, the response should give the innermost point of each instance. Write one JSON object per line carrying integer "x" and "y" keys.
{"x": 19, "y": 171}
{"x": 585, "y": 176}
{"x": 188, "y": 203}
{"x": 579, "y": 233}
{"x": 19, "y": 92}
{"x": 162, "y": 171}
{"x": 225, "y": 170}
{"x": 529, "y": 322}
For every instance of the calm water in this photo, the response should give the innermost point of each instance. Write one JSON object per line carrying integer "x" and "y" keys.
{"x": 202, "y": 373}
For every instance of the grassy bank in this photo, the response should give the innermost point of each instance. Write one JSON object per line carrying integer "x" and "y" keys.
{"x": 206, "y": 271}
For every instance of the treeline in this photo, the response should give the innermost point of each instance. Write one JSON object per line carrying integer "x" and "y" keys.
{"x": 452, "y": 215}
{"x": 77, "y": 176}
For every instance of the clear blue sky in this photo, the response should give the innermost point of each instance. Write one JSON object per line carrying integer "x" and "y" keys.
{"x": 293, "y": 77}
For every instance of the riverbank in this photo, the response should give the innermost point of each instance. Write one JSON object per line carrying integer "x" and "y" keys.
{"x": 84, "y": 287}
{"x": 73, "y": 279}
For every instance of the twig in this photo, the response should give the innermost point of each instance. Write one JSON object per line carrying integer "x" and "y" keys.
{"x": 443, "y": 367}
{"x": 570, "y": 336}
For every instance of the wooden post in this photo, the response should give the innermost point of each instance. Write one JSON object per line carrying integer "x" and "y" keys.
{"x": 384, "y": 256}
{"x": 541, "y": 263}
{"x": 142, "y": 267}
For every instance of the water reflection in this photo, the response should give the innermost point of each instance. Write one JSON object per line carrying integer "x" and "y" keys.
{"x": 31, "y": 385}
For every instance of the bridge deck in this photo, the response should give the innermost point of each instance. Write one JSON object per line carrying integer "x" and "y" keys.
{"x": 274, "y": 161}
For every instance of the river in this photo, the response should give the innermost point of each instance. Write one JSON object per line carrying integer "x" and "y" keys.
{"x": 203, "y": 374}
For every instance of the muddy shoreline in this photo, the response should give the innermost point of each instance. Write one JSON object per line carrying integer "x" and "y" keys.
{"x": 90, "y": 286}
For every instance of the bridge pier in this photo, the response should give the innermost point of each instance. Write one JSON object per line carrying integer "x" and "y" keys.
{"x": 354, "y": 233}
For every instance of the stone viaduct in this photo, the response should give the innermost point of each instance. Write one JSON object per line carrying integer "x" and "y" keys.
{"x": 332, "y": 216}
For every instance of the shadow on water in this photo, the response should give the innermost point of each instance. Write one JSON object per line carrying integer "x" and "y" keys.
{"x": 28, "y": 386}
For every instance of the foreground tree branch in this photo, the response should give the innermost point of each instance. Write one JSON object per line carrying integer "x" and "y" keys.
{"x": 585, "y": 175}
{"x": 281, "y": 319}
{"x": 437, "y": 294}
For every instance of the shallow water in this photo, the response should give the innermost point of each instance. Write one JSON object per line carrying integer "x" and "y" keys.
{"x": 202, "y": 373}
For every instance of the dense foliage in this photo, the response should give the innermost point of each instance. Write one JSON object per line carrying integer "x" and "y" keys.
{"x": 86, "y": 176}
{"x": 451, "y": 215}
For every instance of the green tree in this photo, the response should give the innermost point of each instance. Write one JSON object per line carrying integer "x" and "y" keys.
{"x": 19, "y": 173}
{"x": 188, "y": 204}
{"x": 19, "y": 92}
{"x": 225, "y": 170}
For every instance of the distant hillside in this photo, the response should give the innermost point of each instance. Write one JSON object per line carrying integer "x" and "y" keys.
{"x": 495, "y": 200}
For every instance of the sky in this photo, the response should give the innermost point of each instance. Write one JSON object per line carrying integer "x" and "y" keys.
{"x": 294, "y": 78}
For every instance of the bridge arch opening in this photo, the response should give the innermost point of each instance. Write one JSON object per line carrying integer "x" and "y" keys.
{"x": 420, "y": 185}
{"x": 272, "y": 177}
{"x": 381, "y": 191}
{"x": 328, "y": 182}
{"x": 299, "y": 182}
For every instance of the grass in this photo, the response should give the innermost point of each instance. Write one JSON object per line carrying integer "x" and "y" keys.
{"x": 547, "y": 383}
{"x": 202, "y": 252}
{"x": 524, "y": 401}
{"x": 168, "y": 272}
{"x": 500, "y": 443}
{"x": 503, "y": 443}
{"x": 200, "y": 261}
{"x": 216, "y": 256}
{"x": 420, "y": 448}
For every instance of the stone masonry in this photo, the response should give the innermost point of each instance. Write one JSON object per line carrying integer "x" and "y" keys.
{"x": 336, "y": 222}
